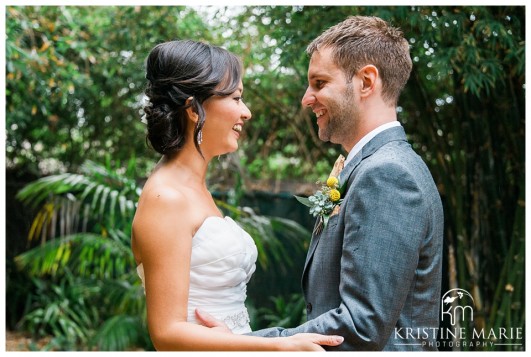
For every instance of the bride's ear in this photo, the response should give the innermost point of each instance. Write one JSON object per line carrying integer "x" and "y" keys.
{"x": 192, "y": 115}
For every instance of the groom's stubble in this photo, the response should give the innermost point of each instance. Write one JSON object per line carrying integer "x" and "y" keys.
{"x": 343, "y": 116}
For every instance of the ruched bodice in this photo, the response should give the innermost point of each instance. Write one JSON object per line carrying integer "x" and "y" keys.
{"x": 222, "y": 262}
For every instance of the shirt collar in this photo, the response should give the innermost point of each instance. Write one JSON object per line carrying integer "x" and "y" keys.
{"x": 360, "y": 144}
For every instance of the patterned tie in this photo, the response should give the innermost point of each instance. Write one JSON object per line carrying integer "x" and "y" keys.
{"x": 336, "y": 172}
{"x": 338, "y": 166}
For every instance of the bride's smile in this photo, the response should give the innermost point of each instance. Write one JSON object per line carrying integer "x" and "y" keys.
{"x": 224, "y": 121}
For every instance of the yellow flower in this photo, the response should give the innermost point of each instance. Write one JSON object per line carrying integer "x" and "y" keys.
{"x": 332, "y": 182}
{"x": 334, "y": 195}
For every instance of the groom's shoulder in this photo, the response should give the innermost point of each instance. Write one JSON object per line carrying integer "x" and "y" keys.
{"x": 394, "y": 153}
{"x": 393, "y": 161}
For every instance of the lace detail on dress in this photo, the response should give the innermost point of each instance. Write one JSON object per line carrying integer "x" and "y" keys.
{"x": 237, "y": 321}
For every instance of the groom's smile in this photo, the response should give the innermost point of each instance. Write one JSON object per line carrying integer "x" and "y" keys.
{"x": 321, "y": 119}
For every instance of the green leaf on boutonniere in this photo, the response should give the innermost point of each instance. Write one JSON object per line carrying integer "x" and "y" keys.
{"x": 304, "y": 200}
{"x": 341, "y": 189}
{"x": 328, "y": 197}
{"x": 325, "y": 220}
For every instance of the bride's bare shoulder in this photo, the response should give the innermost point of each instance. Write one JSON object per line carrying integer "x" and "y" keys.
{"x": 162, "y": 190}
{"x": 162, "y": 207}
{"x": 162, "y": 203}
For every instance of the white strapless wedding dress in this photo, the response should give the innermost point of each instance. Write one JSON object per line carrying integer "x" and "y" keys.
{"x": 223, "y": 260}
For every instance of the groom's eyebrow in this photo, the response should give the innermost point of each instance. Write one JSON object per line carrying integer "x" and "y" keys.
{"x": 312, "y": 75}
{"x": 316, "y": 74}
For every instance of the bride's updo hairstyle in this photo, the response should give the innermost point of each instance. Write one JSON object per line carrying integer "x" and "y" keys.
{"x": 175, "y": 72}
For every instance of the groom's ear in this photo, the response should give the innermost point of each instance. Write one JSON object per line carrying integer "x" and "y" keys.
{"x": 368, "y": 75}
{"x": 192, "y": 114}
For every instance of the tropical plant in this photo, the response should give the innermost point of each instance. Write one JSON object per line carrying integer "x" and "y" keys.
{"x": 75, "y": 77}
{"x": 287, "y": 311}
{"x": 84, "y": 260}
{"x": 87, "y": 294}
{"x": 469, "y": 72}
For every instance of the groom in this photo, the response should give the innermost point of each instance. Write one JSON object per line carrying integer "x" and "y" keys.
{"x": 373, "y": 275}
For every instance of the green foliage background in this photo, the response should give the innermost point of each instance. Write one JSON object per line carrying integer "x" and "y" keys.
{"x": 74, "y": 80}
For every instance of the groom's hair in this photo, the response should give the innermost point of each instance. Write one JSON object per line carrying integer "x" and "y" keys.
{"x": 177, "y": 71}
{"x": 362, "y": 40}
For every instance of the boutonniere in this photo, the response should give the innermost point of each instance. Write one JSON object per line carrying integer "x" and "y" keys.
{"x": 328, "y": 197}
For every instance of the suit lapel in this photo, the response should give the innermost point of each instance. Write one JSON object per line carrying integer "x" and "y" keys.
{"x": 348, "y": 170}
{"x": 386, "y": 136}
{"x": 343, "y": 179}
{"x": 311, "y": 248}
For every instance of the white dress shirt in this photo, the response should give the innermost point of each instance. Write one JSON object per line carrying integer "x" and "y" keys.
{"x": 360, "y": 144}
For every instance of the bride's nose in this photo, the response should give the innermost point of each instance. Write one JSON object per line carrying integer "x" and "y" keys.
{"x": 246, "y": 113}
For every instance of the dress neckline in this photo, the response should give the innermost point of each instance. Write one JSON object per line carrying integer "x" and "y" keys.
{"x": 208, "y": 218}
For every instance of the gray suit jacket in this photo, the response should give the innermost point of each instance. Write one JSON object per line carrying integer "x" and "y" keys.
{"x": 373, "y": 275}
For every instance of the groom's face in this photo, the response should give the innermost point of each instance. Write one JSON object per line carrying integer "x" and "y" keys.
{"x": 331, "y": 98}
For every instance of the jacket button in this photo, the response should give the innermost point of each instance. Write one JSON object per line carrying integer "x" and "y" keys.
{"x": 308, "y": 308}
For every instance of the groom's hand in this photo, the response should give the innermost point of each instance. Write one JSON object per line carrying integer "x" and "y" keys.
{"x": 205, "y": 319}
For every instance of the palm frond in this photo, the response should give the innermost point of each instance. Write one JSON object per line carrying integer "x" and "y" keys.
{"x": 118, "y": 333}
{"x": 62, "y": 309}
{"x": 85, "y": 254}
{"x": 287, "y": 312}
{"x": 72, "y": 200}
{"x": 125, "y": 296}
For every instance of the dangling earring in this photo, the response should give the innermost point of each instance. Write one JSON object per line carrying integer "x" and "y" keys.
{"x": 200, "y": 137}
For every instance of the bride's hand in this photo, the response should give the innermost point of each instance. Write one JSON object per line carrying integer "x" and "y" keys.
{"x": 309, "y": 342}
{"x": 205, "y": 319}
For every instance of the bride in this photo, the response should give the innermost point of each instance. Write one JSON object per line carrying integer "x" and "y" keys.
{"x": 189, "y": 256}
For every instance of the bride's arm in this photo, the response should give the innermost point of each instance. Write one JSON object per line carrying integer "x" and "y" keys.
{"x": 162, "y": 233}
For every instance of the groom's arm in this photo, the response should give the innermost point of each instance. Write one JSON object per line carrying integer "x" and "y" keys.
{"x": 384, "y": 226}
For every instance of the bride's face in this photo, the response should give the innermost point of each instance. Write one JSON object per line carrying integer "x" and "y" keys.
{"x": 224, "y": 121}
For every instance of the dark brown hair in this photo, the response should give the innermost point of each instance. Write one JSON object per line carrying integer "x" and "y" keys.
{"x": 176, "y": 71}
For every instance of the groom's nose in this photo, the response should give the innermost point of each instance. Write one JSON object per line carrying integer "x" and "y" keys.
{"x": 309, "y": 98}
